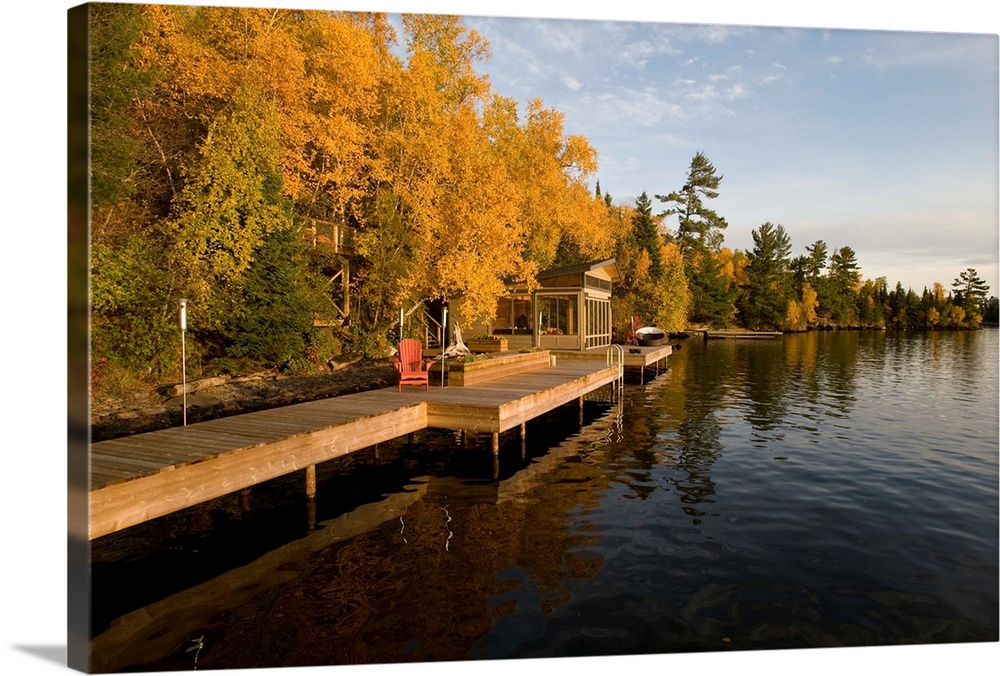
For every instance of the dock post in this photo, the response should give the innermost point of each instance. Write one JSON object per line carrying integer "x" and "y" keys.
{"x": 524, "y": 437}
{"x": 495, "y": 445}
{"x": 580, "y": 406}
{"x": 311, "y": 513}
{"x": 375, "y": 454}
{"x": 311, "y": 481}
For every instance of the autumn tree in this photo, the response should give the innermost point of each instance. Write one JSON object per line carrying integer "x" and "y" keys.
{"x": 872, "y": 300}
{"x": 801, "y": 312}
{"x": 550, "y": 168}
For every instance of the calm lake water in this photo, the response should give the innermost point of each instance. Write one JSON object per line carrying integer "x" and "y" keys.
{"x": 824, "y": 489}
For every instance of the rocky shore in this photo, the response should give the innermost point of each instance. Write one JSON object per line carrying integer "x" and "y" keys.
{"x": 145, "y": 410}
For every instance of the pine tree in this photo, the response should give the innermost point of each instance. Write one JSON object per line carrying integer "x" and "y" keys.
{"x": 972, "y": 288}
{"x": 647, "y": 234}
{"x": 699, "y": 228}
{"x": 765, "y": 297}
{"x": 844, "y": 278}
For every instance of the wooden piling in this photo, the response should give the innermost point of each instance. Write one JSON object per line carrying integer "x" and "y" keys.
{"x": 311, "y": 481}
{"x": 311, "y": 513}
{"x": 245, "y": 501}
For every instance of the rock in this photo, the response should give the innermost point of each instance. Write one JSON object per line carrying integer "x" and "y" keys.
{"x": 128, "y": 415}
{"x": 199, "y": 405}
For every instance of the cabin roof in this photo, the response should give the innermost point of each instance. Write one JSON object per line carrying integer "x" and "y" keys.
{"x": 609, "y": 266}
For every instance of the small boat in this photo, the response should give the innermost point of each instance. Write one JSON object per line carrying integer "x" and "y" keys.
{"x": 650, "y": 336}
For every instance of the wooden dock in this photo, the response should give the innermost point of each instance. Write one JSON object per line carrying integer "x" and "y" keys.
{"x": 634, "y": 356}
{"x": 742, "y": 335}
{"x": 138, "y": 478}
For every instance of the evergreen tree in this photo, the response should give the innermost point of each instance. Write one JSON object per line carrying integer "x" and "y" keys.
{"x": 844, "y": 279}
{"x": 647, "y": 234}
{"x": 699, "y": 228}
{"x": 896, "y": 308}
{"x": 990, "y": 310}
{"x": 972, "y": 289}
{"x": 713, "y": 296}
{"x": 271, "y": 322}
{"x": 765, "y": 297}
{"x": 815, "y": 262}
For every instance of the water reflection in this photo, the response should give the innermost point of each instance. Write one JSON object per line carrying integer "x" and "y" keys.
{"x": 818, "y": 490}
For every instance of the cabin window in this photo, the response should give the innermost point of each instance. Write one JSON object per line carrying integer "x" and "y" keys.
{"x": 598, "y": 322}
{"x": 513, "y": 315}
{"x": 561, "y": 281}
{"x": 557, "y": 315}
{"x": 597, "y": 283}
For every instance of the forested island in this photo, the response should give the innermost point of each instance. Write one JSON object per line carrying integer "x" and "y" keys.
{"x": 222, "y": 139}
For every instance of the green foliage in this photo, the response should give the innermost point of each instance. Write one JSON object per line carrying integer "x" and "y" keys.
{"x": 646, "y": 233}
{"x": 270, "y": 322}
{"x": 134, "y": 321}
{"x": 764, "y": 302}
{"x": 990, "y": 311}
{"x": 370, "y": 343}
{"x": 970, "y": 290}
{"x": 231, "y": 200}
{"x": 699, "y": 228}
{"x": 117, "y": 81}
{"x": 713, "y": 297}
{"x": 843, "y": 280}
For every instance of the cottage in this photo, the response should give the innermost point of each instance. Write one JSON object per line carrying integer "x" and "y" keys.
{"x": 571, "y": 310}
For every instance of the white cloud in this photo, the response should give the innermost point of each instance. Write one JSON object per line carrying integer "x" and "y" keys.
{"x": 639, "y": 106}
{"x": 561, "y": 36}
{"x": 572, "y": 83}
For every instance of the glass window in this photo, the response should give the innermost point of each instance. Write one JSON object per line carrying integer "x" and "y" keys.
{"x": 557, "y": 315}
{"x": 513, "y": 315}
{"x": 598, "y": 323}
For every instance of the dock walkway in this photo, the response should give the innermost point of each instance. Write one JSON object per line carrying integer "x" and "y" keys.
{"x": 141, "y": 477}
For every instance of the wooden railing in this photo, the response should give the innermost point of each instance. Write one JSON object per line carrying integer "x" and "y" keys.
{"x": 319, "y": 232}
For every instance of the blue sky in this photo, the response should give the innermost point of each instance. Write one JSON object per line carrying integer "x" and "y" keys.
{"x": 882, "y": 141}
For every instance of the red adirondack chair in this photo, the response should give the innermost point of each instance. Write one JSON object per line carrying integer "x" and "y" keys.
{"x": 413, "y": 368}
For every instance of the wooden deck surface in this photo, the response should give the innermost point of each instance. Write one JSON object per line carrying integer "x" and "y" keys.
{"x": 636, "y": 356}
{"x": 137, "y": 478}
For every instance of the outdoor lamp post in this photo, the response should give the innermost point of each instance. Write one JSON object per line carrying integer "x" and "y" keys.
{"x": 444, "y": 339}
{"x": 184, "y": 360}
